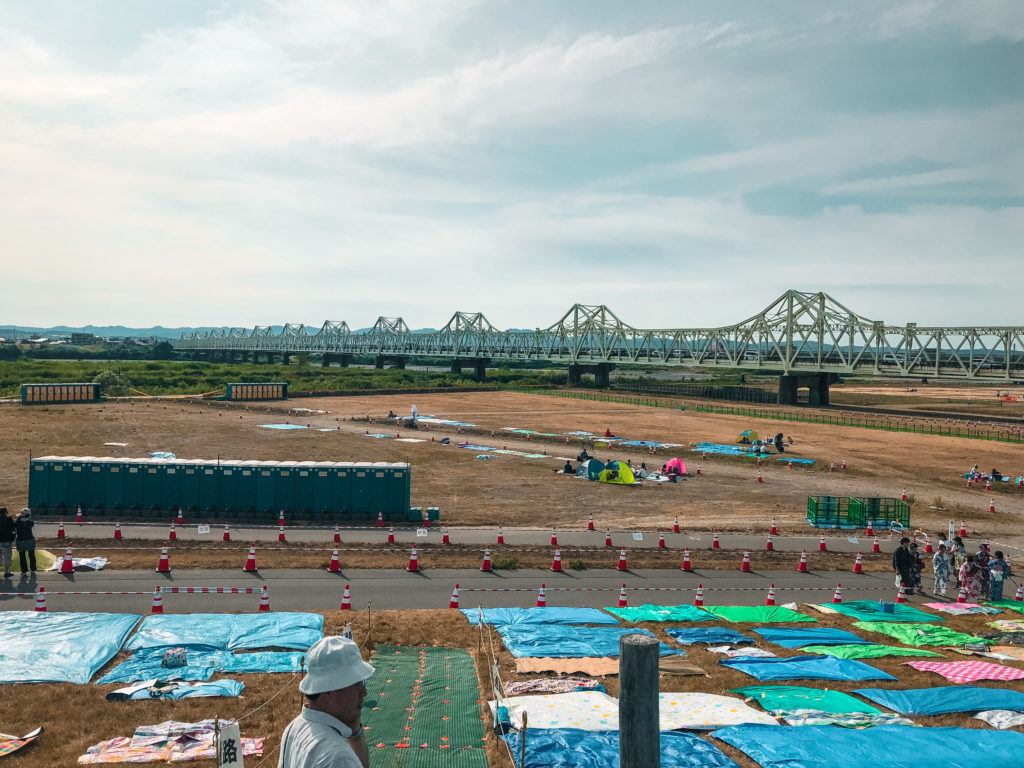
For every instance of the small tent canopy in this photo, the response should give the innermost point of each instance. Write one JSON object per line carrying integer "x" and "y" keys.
{"x": 675, "y": 465}
{"x": 591, "y": 469}
{"x": 748, "y": 436}
{"x": 617, "y": 472}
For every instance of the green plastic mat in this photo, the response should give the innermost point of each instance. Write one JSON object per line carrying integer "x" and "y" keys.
{"x": 860, "y": 651}
{"x": 872, "y": 610}
{"x": 1011, "y": 605}
{"x": 775, "y": 698}
{"x": 422, "y": 709}
{"x": 919, "y": 634}
{"x": 661, "y": 613}
{"x": 757, "y": 614}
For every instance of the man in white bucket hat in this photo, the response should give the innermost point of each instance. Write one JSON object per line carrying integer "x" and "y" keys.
{"x": 328, "y": 733}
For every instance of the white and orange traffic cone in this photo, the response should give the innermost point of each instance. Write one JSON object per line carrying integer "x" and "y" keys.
{"x": 699, "y": 470}
{"x": 380, "y": 519}
{"x": 623, "y": 599}
{"x": 335, "y": 565}
{"x": 556, "y": 561}
{"x": 801, "y": 567}
{"x": 164, "y": 563}
{"x": 870, "y": 530}
{"x": 280, "y": 519}
{"x": 454, "y": 601}
{"x": 844, "y": 465}
{"x": 337, "y": 534}
{"x": 698, "y": 597}
{"x": 774, "y": 530}
{"x": 770, "y": 598}
{"x": 988, "y": 485}
{"x": 962, "y": 596}
{"x": 590, "y": 522}
{"x": 346, "y": 599}
{"x": 675, "y": 525}
{"x": 281, "y": 538}
{"x": 542, "y": 597}
{"x": 901, "y": 596}
{"x": 250, "y": 561}
{"x": 554, "y": 538}
{"x": 158, "y": 600}
{"x": 831, "y": 466}
{"x": 875, "y": 546}
{"x": 822, "y": 546}
{"x": 501, "y": 536}
{"x": 858, "y": 564}
{"x": 608, "y": 539}
{"x": 172, "y": 535}
{"x": 760, "y": 477}
{"x": 414, "y": 562}
{"x": 67, "y": 565}
{"x": 992, "y": 505}
{"x": 687, "y": 564}
{"x": 714, "y": 542}
{"x": 962, "y": 533}
{"x": 117, "y": 532}
{"x": 769, "y": 545}
{"x": 227, "y": 533}
{"x": 789, "y": 465}
{"x": 60, "y": 530}
{"x": 1019, "y": 597}
{"x": 79, "y": 518}
{"x": 485, "y": 564}
{"x": 264, "y": 599}
{"x": 180, "y": 519}
{"x": 928, "y": 546}
{"x": 838, "y": 596}
{"x": 623, "y": 565}
{"x": 745, "y": 563}
{"x": 391, "y": 534}
{"x": 661, "y": 541}
{"x": 903, "y": 495}
{"x": 445, "y": 538}
{"x": 41, "y": 600}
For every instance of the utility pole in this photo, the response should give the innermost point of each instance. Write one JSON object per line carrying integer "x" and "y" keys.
{"x": 639, "y": 736}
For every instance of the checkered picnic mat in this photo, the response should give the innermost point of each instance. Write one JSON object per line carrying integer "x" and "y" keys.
{"x": 968, "y": 671}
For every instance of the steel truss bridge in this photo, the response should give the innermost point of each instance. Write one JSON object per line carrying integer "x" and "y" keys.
{"x": 808, "y": 339}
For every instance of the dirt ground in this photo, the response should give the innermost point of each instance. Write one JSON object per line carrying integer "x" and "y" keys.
{"x": 514, "y": 491}
{"x": 54, "y": 706}
{"x": 1005, "y": 402}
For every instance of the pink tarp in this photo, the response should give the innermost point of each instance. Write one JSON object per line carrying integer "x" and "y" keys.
{"x": 968, "y": 671}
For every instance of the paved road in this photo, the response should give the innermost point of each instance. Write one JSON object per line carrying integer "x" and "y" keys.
{"x": 392, "y": 589}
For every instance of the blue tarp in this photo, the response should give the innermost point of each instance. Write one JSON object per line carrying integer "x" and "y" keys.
{"x": 557, "y": 641}
{"x": 944, "y": 700}
{"x": 202, "y": 663}
{"x": 573, "y": 748}
{"x": 507, "y": 616}
{"x": 798, "y": 638}
{"x": 806, "y": 668}
{"x": 230, "y": 631}
{"x": 59, "y": 647}
{"x": 884, "y": 746}
{"x": 708, "y": 635}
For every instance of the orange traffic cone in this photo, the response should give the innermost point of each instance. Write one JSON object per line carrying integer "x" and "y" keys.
{"x": 675, "y": 525}
{"x": 661, "y": 541}
{"x": 801, "y": 567}
{"x": 414, "y": 562}
{"x": 158, "y": 600}
{"x": 281, "y": 538}
{"x": 858, "y": 564}
{"x": 337, "y": 534}
{"x": 67, "y": 565}
{"x": 831, "y": 466}
{"x": 280, "y": 519}
{"x": 687, "y": 564}
{"x": 698, "y": 598}
{"x": 769, "y": 545}
{"x": 335, "y": 565}
{"x": 556, "y": 561}
{"x": 380, "y": 519}
{"x": 1020, "y": 593}
{"x": 962, "y": 596}
{"x": 542, "y": 597}
{"x": 264, "y": 599}
{"x": 117, "y": 532}
{"x": 227, "y": 533}
{"x": 554, "y": 538}
{"x": 608, "y": 538}
{"x": 789, "y": 465}
{"x": 454, "y": 602}
{"x": 590, "y": 522}
{"x": 928, "y": 545}
{"x": 822, "y": 546}
{"x": 760, "y": 477}
{"x": 485, "y": 566}
{"x": 901, "y": 596}
{"x": 78, "y": 515}
{"x": 774, "y": 530}
{"x": 714, "y": 542}
{"x": 623, "y": 565}
{"x": 903, "y": 495}
{"x": 164, "y": 564}
{"x": 992, "y": 505}
{"x": 60, "y": 530}
{"x": 445, "y": 538}
{"x": 770, "y": 599}
{"x": 963, "y": 530}
{"x": 41, "y": 600}
{"x": 988, "y": 485}
{"x": 745, "y": 563}
{"x": 838, "y": 596}
{"x": 250, "y": 561}
{"x": 699, "y": 469}
{"x": 180, "y": 519}
{"x": 870, "y": 530}
{"x": 844, "y": 465}
{"x": 346, "y": 600}
{"x": 875, "y": 546}
{"x": 391, "y": 534}
{"x": 623, "y": 600}
{"x": 173, "y": 534}
{"x": 501, "y": 536}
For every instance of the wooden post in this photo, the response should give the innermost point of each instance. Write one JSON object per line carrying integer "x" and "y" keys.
{"x": 639, "y": 738}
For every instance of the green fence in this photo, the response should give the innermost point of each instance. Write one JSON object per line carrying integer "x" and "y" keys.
{"x": 856, "y": 512}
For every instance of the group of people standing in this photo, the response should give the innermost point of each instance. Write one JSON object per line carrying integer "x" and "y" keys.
{"x": 17, "y": 532}
{"x": 981, "y": 575}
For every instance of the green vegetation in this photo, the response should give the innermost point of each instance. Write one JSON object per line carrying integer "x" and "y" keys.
{"x": 187, "y": 377}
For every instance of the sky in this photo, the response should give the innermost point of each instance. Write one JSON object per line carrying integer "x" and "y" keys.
{"x": 684, "y": 163}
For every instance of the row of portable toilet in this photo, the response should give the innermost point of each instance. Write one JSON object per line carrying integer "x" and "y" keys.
{"x": 208, "y": 487}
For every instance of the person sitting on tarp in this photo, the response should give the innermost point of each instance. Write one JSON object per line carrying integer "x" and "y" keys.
{"x": 997, "y": 476}
{"x": 392, "y": 415}
{"x": 445, "y": 441}
{"x": 780, "y": 444}
{"x": 584, "y": 456}
{"x": 608, "y": 433}
{"x": 567, "y": 469}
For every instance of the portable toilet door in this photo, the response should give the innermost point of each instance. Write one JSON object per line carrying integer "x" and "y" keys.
{"x": 76, "y": 482}
{"x": 362, "y": 477}
{"x": 152, "y": 485}
{"x": 229, "y": 486}
{"x": 113, "y": 478}
{"x": 266, "y": 480}
{"x": 284, "y": 487}
{"x": 39, "y": 482}
{"x": 341, "y": 490}
{"x": 305, "y": 476}
{"x": 209, "y": 486}
{"x": 95, "y": 486}
{"x": 58, "y": 485}
{"x": 245, "y": 485}
{"x": 323, "y": 473}
{"x": 133, "y": 484}
{"x": 170, "y": 486}
{"x": 188, "y": 484}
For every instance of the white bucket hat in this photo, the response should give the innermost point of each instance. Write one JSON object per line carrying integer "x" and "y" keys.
{"x": 333, "y": 663}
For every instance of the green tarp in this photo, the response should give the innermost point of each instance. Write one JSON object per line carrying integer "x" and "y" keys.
{"x": 662, "y": 613}
{"x": 779, "y": 698}
{"x": 422, "y": 710}
{"x": 871, "y": 610}
{"x": 757, "y": 614}
{"x": 919, "y": 634}
{"x": 1010, "y": 605}
{"x": 866, "y": 651}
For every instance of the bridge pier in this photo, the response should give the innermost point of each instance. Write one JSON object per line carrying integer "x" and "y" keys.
{"x": 383, "y": 361}
{"x": 286, "y": 358}
{"x": 601, "y": 372}
{"x": 479, "y": 366}
{"x": 816, "y": 383}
